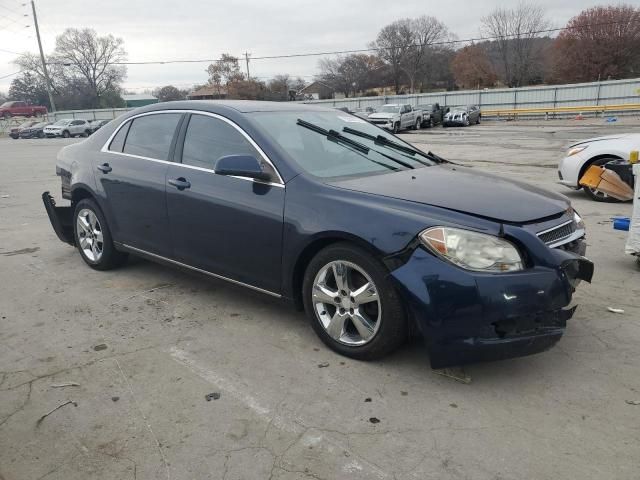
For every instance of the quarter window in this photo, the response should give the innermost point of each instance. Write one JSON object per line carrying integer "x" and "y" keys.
{"x": 118, "y": 141}
{"x": 151, "y": 135}
{"x": 208, "y": 139}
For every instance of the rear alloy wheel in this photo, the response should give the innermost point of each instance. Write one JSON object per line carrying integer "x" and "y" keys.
{"x": 597, "y": 195}
{"x": 351, "y": 303}
{"x": 93, "y": 237}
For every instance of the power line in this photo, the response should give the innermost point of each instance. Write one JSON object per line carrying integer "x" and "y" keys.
{"x": 11, "y": 74}
{"x": 372, "y": 49}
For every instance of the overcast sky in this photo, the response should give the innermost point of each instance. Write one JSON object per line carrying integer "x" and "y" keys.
{"x": 201, "y": 29}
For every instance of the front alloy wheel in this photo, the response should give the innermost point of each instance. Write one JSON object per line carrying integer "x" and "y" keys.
{"x": 346, "y": 303}
{"x": 352, "y": 303}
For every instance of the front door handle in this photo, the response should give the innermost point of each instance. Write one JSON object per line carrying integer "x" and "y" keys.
{"x": 180, "y": 183}
{"x": 104, "y": 168}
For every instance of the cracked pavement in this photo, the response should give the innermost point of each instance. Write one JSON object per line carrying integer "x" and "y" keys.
{"x": 172, "y": 338}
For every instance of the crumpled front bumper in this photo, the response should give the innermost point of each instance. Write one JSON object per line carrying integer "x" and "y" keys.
{"x": 468, "y": 317}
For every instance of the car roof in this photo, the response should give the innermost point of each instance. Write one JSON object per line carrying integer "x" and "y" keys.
{"x": 242, "y": 106}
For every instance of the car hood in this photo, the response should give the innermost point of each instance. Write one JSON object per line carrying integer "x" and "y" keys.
{"x": 466, "y": 191}
{"x": 606, "y": 137}
{"x": 382, "y": 115}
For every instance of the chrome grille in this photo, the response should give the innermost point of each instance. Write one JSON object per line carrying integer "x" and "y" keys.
{"x": 557, "y": 234}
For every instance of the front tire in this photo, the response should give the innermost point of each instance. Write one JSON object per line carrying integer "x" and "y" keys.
{"x": 66, "y": 134}
{"x": 594, "y": 194}
{"x": 418, "y": 124}
{"x": 93, "y": 237}
{"x": 352, "y": 304}
{"x": 396, "y": 128}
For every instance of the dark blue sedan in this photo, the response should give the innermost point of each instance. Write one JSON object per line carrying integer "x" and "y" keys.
{"x": 374, "y": 238}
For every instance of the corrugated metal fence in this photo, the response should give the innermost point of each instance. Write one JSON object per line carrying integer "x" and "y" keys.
{"x": 610, "y": 92}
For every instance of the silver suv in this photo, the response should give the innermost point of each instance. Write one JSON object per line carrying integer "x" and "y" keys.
{"x": 68, "y": 128}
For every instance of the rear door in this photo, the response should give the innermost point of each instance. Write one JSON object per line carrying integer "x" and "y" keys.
{"x": 131, "y": 174}
{"x": 228, "y": 226}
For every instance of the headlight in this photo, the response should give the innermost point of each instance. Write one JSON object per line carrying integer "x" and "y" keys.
{"x": 472, "y": 250}
{"x": 575, "y": 150}
{"x": 577, "y": 219}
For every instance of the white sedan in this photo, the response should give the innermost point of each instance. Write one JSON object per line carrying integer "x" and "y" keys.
{"x": 595, "y": 151}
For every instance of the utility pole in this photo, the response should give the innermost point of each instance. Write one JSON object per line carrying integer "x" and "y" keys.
{"x": 44, "y": 63}
{"x": 246, "y": 58}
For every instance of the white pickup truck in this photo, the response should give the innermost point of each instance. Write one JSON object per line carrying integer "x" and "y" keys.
{"x": 396, "y": 117}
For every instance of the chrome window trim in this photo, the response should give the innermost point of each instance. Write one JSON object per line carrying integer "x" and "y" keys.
{"x": 105, "y": 147}
{"x": 196, "y": 269}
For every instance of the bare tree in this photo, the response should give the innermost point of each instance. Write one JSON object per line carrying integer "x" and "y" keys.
{"x": 92, "y": 58}
{"x": 224, "y": 71}
{"x": 515, "y": 31}
{"x": 393, "y": 43}
{"x": 351, "y": 74}
{"x": 425, "y": 32}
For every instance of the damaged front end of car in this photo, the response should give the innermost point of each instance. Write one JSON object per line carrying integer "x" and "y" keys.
{"x": 468, "y": 315}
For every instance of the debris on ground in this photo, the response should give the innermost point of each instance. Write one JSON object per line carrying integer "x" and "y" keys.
{"x": 615, "y": 310}
{"x": 633, "y": 402}
{"x": 65, "y": 384}
{"x": 374, "y": 420}
{"x": 115, "y": 399}
{"x": 4, "y": 196}
{"x": 75, "y": 404}
{"x": 453, "y": 405}
{"x": 102, "y": 346}
{"x": 457, "y": 373}
{"x": 212, "y": 396}
{"x": 403, "y": 393}
{"x": 323, "y": 365}
{"x": 368, "y": 399}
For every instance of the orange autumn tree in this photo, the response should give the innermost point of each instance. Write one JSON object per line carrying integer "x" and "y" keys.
{"x": 599, "y": 43}
{"x": 472, "y": 68}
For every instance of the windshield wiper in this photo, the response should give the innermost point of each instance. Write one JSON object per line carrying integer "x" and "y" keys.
{"x": 334, "y": 136}
{"x": 380, "y": 140}
{"x": 339, "y": 138}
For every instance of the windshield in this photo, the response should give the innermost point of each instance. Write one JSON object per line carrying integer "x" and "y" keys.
{"x": 6, "y": 104}
{"x": 62, "y": 122}
{"x": 40, "y": 125}
{"x": 425, "y": 107}
{"x": 26, "y": 124}
{"x": 390, "y": 109}
{"x": 328, "y": 158}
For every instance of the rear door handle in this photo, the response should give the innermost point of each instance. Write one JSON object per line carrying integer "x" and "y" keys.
{"x": 104, "y": 168}
{"x": 180, "y": 183}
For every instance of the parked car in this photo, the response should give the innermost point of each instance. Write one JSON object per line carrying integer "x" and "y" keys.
{"x": 396, "y": 117}
{"x": 21, "y": 109}
{"x": 68, "y": 128}
{"x": 96, "y": 125}
{"x": 34, "y": 131}
{"x": 364, "y": 112}
{"x": 462, "y": 116}
{"x": 432, "y": 114}
{"x": 595, "y": 151}
{"x": 375, "y": 238}
{"x": 15, "y": 131}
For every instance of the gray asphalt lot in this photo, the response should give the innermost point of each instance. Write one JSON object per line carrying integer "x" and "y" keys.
{"x": 147, "y": 343}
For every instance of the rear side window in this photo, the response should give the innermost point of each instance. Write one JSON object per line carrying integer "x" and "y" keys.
{"x": 207, "y": 139}
{"x": 118, "y": 141}
{"x": 151, "y": 136}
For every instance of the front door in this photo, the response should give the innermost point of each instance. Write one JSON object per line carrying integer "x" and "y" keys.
{"x": 132, "y": 177}
{"x": 225, "y": 225}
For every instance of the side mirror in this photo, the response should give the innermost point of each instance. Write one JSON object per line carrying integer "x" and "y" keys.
{"x": 241, "y": 166}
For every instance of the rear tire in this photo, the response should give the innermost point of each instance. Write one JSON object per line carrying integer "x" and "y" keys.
{"x": 327, "y": 301}
{"x": 93, "y": 237}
